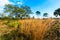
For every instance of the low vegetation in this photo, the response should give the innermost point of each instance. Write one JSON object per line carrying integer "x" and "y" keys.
{"x": 19, "y": 25}
{"x": 30, "y": 29}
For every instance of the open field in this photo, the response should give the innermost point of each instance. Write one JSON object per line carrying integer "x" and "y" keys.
{"x": 33, "y": 28}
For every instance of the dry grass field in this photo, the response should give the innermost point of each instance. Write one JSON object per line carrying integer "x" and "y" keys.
{"x": 35, "y": 28}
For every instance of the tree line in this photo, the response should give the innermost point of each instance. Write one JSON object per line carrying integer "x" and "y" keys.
{"x": 14, "y": 11}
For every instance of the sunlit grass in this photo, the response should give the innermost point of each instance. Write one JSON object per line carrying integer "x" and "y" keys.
{"x": 33, "y": 28}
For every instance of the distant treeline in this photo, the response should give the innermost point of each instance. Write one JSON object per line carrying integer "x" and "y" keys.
{"x": 23, "y": 12}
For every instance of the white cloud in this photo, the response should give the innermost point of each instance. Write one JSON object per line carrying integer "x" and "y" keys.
{"x": 2, "y": 3}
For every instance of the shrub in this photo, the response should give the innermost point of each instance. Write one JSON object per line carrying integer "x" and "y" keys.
{"x": 13, "y": 24}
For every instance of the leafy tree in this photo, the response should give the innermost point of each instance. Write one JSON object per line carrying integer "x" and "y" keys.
{"x": 37, "y": 13}
{"x": 27, "y": 9}
{"x": 45, "y": 14}
{"x": 15, "y": 11}
{"x": 57, "y": 12}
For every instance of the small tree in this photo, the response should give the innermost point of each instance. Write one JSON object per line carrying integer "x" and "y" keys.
{"x": 38, "y": 13}
{"x": 45, "y": 14}
{"x": 16, "y": 11}
{"x": 57, "y": 12}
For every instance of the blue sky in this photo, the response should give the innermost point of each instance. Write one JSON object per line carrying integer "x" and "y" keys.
{"x": 41, "y": 5}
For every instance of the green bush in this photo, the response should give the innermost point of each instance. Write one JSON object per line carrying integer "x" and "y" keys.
{"x": 13, "y": 24}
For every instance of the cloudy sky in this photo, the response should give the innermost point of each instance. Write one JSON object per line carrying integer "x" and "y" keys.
{"x": 41, "y": 5}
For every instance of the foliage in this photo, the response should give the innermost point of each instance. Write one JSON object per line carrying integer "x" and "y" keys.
{"x": 13, "y": 23}
{"x": 17, "y": 12}
{"x": 45, "y": 14}
{"x": 37, "y": 13}
{"x": 27, "y": 9}
{"x": 13, "y": 10}
{"x": 57, "y": 12}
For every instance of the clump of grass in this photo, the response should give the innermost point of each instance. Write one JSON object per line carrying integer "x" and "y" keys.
{"x": 15, "y": 35}
{"x": 53, "y": 33}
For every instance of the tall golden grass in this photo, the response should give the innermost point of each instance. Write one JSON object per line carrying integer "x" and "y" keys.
{"x": 36, "y": 28}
